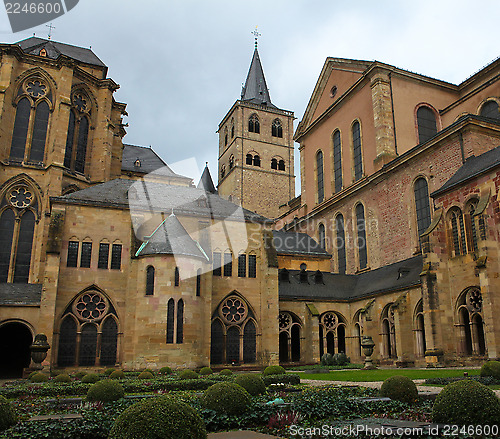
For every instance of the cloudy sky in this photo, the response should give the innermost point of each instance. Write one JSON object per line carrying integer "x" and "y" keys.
{"x": 181, "y": 63}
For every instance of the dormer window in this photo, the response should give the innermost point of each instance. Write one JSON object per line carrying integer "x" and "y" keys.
{"x": 303, "y": 275}
{"x": 284, "y": 275}
{"x": 43, "y": 53}
{"x": 137, "y": 163}
{"x": 403, "y": 272}
{"x": 318, "y": 277}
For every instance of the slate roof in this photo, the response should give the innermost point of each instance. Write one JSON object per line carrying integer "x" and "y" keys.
{"x": 472, "y": 167}
{"x": 206, "y": 181}
{"x": 33, "y": 45}
{"x": 171, "y": 238}
{"x": 255, "y": 89}
{"x": 20, "y": 294}
{"x": 158, "y": 196}
{"x": 291, "y": 243}
{"x": 400, "y": 275}
{"x": 149, "y": 161}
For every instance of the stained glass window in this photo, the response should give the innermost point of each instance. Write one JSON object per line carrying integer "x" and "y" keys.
{"x": 216, "y": 343}
{"x": 88, "y": 345}
{"x": 249, "y": 342}
{"x": 41, "y": 124}
{"x": 24, "y": 246}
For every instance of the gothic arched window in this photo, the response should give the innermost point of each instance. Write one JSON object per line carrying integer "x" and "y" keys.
{"x": 426, "y": 121}
{"x": 422, "y": 205}
{"x": 78, "y": 132}
{"x": 276, "y": 128}
{"x": 170, "y": 321}
{"x": 17, "y": 228}
{"x": 254, "y": 124}
{"x": 456, "y": 230}
{"x": 180, "y": 321}
{"x": 177, "y": 278}
{"x": 29, "y": 135}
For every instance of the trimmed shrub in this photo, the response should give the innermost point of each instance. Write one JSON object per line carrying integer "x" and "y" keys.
{"x": 252, "y": 383}
{"x": 150, "y": 371}
{"x": 8, "y": 416}
{"x": 105, "y": 391}
{"x": 117, "y": 375}
{"x": 159, "y": 418}
{"x": 226, "y": 372}
{"x": 188, "y": 375}
{"x": 32, "y": 374}
{"x": 109, "y": 371}
{"x": 165, "y": 370}
{"x": 399, "y": 388}
{"x": 91, "y": 378}
{"x": 289, "y": 378}
{"x": 340, "y": 359}
{"x": 227, "y": 398}
{"x": 466, "y": 402}
{"x": 206, "y": 371}
{"x": 327, "y": 360}
{"x": 62, "y": 378}
{"x": 39, "y": 377}
{"x": 146, "y": 375}
{"x": 80, "y": 374}
{"x": 274, "y": 370}
{"x": 491, "y": 369}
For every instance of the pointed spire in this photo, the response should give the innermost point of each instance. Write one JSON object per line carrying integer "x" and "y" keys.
{"x": 255, "y": 89}
{"x": 206, "y": 183}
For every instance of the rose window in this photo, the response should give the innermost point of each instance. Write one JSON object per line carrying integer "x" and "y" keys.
{"x": 20, "y": 197}
{"x": 284, "y": 320}
{"x": 91, "y": 306}
{"x": 36, "y": 89}
{"x": 233, "y": 310}
{"x": 330, "y": 320}
{"x": 475, "y": 300}
{"x": 80, "y": 102}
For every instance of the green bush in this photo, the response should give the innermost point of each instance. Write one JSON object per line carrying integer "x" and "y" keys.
{"x": 109, "y": 371}
{"x": 274, "y": 370}
{"x": 91, "y": 378}
{"x": 226, "y": 398}
{"x": 165, "y": 370}
{"x": 252, "y": 383}
{"x": 340, "y": 359}
{"x": 150, "y": 371}
{"x": 491, "y": 369}
{"x": 8, "y": 416}
{"x": 327, "y": 360}
{"x": 62, "y": 378}
{"x": 188, "y": 375}
{"x": 466, "y": 402}
{"x": 399, "y": 388}
{"x": 39, "y": 377}
{"x": 117, "y": 375}
{"x": 146, "y": 375}
{"x": 289, "y": 378}
{"x": 206, "y": 371}
{"x": 80, "y": 374}
{"x": 105, "y": 391}
{"x": 159, "y": 418}
{"x": 226, "y": 372}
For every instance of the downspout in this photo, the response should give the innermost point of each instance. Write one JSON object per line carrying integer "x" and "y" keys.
{"x": 393, "y": 117}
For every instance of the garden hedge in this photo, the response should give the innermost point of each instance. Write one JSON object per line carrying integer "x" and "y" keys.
{"x": 252, "y": 383}
{"x": 274, "y": 370}
{"x": 227, "y": 398}
{"x": 491, "y": 369}
{"x": 105, "y": 391}
{"x": 8, "y": 416}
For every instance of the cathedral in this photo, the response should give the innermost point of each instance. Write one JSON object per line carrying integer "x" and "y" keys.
{"x": 120, "y": 261}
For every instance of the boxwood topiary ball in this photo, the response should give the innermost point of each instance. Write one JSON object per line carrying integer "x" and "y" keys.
{"x": 159, "y": 418}
{"x": 145, "y": 375}
{"x": 188, "y": 375}
{"x": 62, "y": 378}
{"x": 226, "y": 372}
{"x": 466, "y": 402}
{"x": 227, "y": 398}
{"x": 8, "y": 416}
{"x": 117, "y": 375}
{"x": 206, "y": 371}
{"x": 399, "y": 388}
{"x": 91, "y": 378}
{"x": 491, "y": 369}
{"x": 109, "y": 371}
{"x": 274, "y": 370}
{"x": 252, "y": 383}
{"x": 105, "y": 391}
{"x": 165, "y": 370}
{"x": 39, "y": 378}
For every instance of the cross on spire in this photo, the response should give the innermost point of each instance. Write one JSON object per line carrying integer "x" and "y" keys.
{"x": 257, "y": 35}
{"x": 50, "y": 29}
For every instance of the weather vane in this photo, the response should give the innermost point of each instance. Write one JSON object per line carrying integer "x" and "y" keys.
{"x": 257, "y": 35}
{"x": 50, "y": 29}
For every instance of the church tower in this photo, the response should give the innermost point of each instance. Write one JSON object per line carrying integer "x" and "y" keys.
{"x": 256, "y": 148}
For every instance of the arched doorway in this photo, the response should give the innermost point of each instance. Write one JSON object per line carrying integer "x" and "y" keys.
{"x": 15, "y": 341}
{"x": 289, "y": 337}
{"x": 332, "y": 333}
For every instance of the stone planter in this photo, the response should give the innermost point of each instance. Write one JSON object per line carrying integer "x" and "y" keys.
{"x": 39, "y": 350}
{"x": 368, "y": 345}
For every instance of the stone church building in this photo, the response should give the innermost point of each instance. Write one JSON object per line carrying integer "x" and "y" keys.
{"x": 121, "y": 261}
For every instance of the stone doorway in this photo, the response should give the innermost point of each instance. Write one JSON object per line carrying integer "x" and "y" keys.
{"x": 15, "y": 341}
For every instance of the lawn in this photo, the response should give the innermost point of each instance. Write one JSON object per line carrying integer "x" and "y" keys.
{"x": 382, "y": 374}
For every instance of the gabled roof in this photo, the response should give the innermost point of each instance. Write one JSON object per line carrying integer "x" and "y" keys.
{"x": 206, "y": 183}
{"x": 397, "y": 276}
{"x": 472, "y": 167}
{"x": 144, "y": 160}
{"x": 171, "y": 238}
{"x": 255, "y": 89}
{"x": 290, "y": 243}
{"x": 33, "y": 45}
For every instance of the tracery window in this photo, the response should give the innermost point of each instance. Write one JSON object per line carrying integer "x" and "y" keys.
{"x": 88, "y": 333}
{"x": 332, "y": 333}
{"x": 33, "y": 106}
{"x": 471, "y": 224}
{"x": 18, "y": 216}
{"x": 78, "y": 132}
{"x": 469, "y": 314}
{"x": 426, "y": 121}
{"x": 276, "y": 128}
{"x": 290, "y": 328}
{"x": 337, "y": 161}
{"x": 233, "y": 319}
{"x": 456, "y": 229}
{"x": 388, "y": 332}
{"x": 254, "y": 124}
